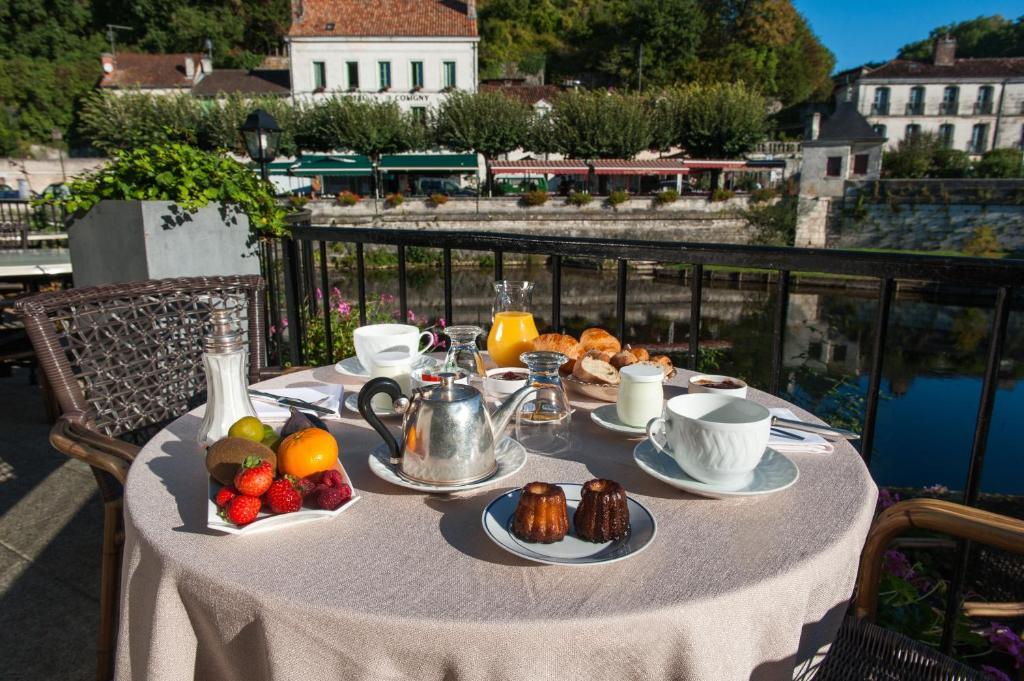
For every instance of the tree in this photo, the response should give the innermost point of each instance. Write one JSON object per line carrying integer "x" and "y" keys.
{"x": 1000, "y": 163}
{"x": 598, "y": 124}
{"x": 490, "y": 123}
{"x": 912, "y": 157}
{"x": 134, "y": 119}
{"x": 719, "y": 120}
{"x": 991, "y": 36}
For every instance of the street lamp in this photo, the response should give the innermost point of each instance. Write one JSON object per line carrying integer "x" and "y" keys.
{"x": 262, "y": 138}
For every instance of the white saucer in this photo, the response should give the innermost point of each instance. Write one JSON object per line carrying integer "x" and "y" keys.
{"x": 774, "y": 474}
{"x": 510, "y": 455}
{"x": 352, "y": 404}
{"x": 351, "y": 366}
{"x": 607, "y": 416}
{"x": 497, "y": 522}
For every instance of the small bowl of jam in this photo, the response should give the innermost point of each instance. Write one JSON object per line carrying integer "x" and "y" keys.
{"x": 430, "y": 376}
{"x": 504, "y": 381}
{"x": 723, "y": 385}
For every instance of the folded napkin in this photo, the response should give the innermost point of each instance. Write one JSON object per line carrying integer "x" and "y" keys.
{"x": 808, "y": 442}
{"x": 269, "y": 411}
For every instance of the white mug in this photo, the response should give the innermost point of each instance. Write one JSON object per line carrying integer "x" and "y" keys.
{"x": 396, "y": 365}
{"x": 376, "y": 338}
{"x": 717, "y": 439}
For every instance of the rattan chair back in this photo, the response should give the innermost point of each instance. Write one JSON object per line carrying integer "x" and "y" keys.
{"x": 125, "y": 359}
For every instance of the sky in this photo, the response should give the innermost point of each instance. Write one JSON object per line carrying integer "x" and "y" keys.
{"x": 874, "y": 30}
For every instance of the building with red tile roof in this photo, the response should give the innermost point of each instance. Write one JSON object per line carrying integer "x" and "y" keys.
{"x": 156, "y": 73}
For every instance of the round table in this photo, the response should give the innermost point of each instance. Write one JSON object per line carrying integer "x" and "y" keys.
{"x": 406, "y": 585}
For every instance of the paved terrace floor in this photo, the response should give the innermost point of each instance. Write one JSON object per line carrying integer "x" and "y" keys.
{"x": 51, "y": 522}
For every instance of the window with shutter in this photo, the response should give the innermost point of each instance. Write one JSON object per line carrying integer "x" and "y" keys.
{"x": 834, "y": 166}
{"x": 860, "y": 164}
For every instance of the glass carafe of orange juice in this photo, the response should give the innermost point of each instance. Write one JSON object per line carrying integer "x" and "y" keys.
{"x": 512, "y": 327}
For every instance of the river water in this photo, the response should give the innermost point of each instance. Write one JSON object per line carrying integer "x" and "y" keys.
{"x": 935, "y": 355}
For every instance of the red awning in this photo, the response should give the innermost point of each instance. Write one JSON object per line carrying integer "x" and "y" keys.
{"x": 535, "y": 167}
{"x": 711, "y": 164}
{"x": 626, "y": 167}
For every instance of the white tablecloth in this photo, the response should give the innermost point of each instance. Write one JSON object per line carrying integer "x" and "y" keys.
{"x": 407, "y": 586}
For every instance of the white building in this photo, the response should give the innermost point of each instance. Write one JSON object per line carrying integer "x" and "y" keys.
{"x": 971, "y": 104}
{"x": 407, "y": 52}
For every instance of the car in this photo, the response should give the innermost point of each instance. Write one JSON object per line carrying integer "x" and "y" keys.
{"x": 427, "y": 186}
{"x": 57, "y": 190}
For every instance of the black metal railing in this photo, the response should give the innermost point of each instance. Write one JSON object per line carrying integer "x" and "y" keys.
{"x": 999, "y": 280}
{"x": 20, "y": 212}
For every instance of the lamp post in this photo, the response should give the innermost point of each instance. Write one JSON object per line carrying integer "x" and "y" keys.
{"x": 262, "y": 138}
{"x": 57, "y": 136}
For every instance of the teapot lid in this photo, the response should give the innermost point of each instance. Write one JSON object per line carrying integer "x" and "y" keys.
{"x": 448, "y": 390}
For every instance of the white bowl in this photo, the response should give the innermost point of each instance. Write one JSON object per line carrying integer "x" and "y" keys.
{"x": 501, "y": 388}
{"x": 696, "y": 386}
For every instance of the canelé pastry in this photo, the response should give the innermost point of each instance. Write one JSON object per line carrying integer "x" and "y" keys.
{"x": 541, "y": 515}
{"x": 602, "y": 514}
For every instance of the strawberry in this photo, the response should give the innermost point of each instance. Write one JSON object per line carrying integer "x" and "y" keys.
{"x": 254, "y": 477}
{"x": 283, "y": 497}
{"x": 225, "y": 495}
{"x": 331, "y": 498}
{"x": 305, "y": 486}
{"x": 242, "y": 510}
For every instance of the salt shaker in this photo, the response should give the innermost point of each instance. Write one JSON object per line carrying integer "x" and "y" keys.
{"x": 225, "y": 359}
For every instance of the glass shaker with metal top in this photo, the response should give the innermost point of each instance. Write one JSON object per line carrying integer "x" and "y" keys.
{"x": 226, "y": 361}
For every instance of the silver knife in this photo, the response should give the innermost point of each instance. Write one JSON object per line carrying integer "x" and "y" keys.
{"x": 292, "y": 402}
{"x": 827, "y": 432}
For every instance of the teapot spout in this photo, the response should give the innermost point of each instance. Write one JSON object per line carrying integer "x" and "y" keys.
{"x": 503, "y": 416}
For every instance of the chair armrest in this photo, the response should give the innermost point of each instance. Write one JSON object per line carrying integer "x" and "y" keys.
{"x": 963, "y": 522}
{"x": 996, "y": 611}
{"x": 96, "y": 449}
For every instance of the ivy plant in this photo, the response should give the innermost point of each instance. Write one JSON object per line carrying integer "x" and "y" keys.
{"x": 183, "y": 174}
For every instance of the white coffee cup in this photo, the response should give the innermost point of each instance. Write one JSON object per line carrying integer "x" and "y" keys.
{"x": 717, "y": 439}
{"x": 709, "y": 383}
{"x": 376, "y": 338}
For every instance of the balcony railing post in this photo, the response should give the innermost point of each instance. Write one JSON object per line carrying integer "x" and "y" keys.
{"x": 499, "y": 265}
{"x": 448, "y": 285}
{"x": 291, "y": 297}
{"x": 885, "y": 294}
{"x": 779, "y": 331}
{"x": 556, "y": 293}
{"x": 361, "y": 279}
{"x": 620, "y": 298}
{"x": 403, "y": 300}
{"x": 696, "y": 291}
{"x": 326, "y": 300}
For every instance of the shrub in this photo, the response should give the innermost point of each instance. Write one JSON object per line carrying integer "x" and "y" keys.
{"x": 535, "y": 198}
{"x": 618, "y": 197}
{"x": 762, "y": 195}
{"x": 394, "y": 200}
{"x": 950, "y": 163}
{"x": 774, "y": 223}
{"x": 347, "y": 198}
{"x": 665, "y": 197}
{"x": 720, "y": 195}
{"x": 579, "y": 199}
{"x": 297, "y": 202}
{"x": 438, "y": 199}
{"x": 1000, "y": 163}
{"x": 984, "y": 244}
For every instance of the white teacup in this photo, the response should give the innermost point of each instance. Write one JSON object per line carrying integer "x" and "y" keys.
{"x": 717, "y": 439}
{"x": 720, "y": 385}
{"x": 376, "y": 338}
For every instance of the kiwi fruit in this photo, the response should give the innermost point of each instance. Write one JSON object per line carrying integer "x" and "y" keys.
{"x": 225, "y": 456}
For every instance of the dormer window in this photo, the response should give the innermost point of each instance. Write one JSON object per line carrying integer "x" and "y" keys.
{"x": 329, "y": 26}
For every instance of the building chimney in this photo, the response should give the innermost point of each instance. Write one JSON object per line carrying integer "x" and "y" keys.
{"x": 207, "y": 65}
{"x": 813, "y": 126}
{"x": 944, "y": 52}
{"x": 471, "y": 9}
{"x": 297, "y": 10}
{"x": 107, "y": 61}
{"x": 190, "y": 67}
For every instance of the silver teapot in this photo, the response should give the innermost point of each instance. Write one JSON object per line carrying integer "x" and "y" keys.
{"x": 448, "y": 435}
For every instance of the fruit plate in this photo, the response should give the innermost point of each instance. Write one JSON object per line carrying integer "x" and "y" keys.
{"x": 497, "y": 522}
{"x": 270, "y": 521}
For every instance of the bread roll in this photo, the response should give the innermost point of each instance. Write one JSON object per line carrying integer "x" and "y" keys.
{"x": 624, "y": 358}
{"x": 557, "y": 342}
{"x": 598, "y": 354}
{"x": 599, "y": 339}
{"x": 590, "y": 370}
{"x": 665, "y": 362}
{"x": 640, "y": 354}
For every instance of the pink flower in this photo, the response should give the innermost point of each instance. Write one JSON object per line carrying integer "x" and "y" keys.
{"x": 344, "y": 308}
{"x": 441, "y": 323}
{"x": 387, "y": 298}
{"x": 319, "y": 294}
{"x": 412, "y": 316}
{"x": 273, "y": 329}
{"x": 284, "y": 323}
{"x": 336, "y": 293}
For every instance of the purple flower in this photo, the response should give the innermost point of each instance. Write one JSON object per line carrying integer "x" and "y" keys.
{"x": 411, "y": 315}
{"x": 1005, "y": 640}
{"x": 937, "y": 489}
{"x": 887, "y": 498}
{"x": 344, "y": 308}
{"x": 319, "y": 294}
{"x": 336, "y": 293}
{"x": 441, "y": 323}
{"x": 995, "y": 674}
{"x": 284, "y": 323}
{"x": 387, "y": 298}
{"x": 897, "y": 564}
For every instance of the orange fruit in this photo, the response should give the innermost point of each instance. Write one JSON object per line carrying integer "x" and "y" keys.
{"x": 307, "y": 452}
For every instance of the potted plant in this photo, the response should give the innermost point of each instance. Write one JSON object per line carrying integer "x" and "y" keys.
{"x": 168, "y": 210}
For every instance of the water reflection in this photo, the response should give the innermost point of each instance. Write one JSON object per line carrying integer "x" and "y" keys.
{"x": 935, "y": 355}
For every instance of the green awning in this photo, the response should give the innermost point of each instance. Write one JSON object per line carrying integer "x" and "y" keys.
{"x": 428, "y": 163}
{"x": 332, "y": 165}
{"x": 279, "y": 167}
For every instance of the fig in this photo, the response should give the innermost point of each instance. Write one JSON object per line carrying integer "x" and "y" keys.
{"x": 300, "y": 421}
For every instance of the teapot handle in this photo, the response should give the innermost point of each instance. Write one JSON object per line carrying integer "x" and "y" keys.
{"x": 373, "y": 387}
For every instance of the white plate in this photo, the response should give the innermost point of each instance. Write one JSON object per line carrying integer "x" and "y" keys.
{"x": 774, "y": 474}
{"x": 497, "y": 522}
{"x": 607, "y": 416}
{"x": 270, "y": 521}
{"x": 267, "y": 410}
{"x": 510, "y": 455}
{"x": 352, "y": 404}
{"x": 351, "y": 366}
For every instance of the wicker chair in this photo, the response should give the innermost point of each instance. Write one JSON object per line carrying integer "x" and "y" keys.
{"x": 123, "y": 361}
{"x": 863, "y": 650}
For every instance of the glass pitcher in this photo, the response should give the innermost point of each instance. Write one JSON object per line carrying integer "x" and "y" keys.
{"x": 463, "y": 354}
{"x": 544, "y": 424}
{"x": 512, "y": 326}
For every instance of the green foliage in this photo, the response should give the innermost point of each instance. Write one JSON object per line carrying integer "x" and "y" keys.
{"x": 991, "y": 36}
{"x": 913, "y": 157}
{"x": 1000, "y": 163}
{"x": 618, "y": 197}
{"x": 720, "y": 195}
{"x": 720, "y": 120}
{"x": 665, "y": 197}
{"x": 535, "y": 198}
{"x": 598, "y": 124}
{"x": 774, "y": 224}
{"x": 347, "y": 199}
{"x": 490, "y": 123}
{"x": 763, "y": 195}
{"x": 984, "y": 243}
{"x": 394, "y": 200}
{"x": 344, "y": 316}
{"x": 438, "y": 199}
{"x": 579, "y": 199}
{"x": 363, "y": 125}
{"x": 187, "y": 176}
{"x": 950, "y": 163}
{"x": 297, "y": 202}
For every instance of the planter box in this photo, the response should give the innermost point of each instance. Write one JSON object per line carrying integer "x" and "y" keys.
{"x": 121, "y": 241}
